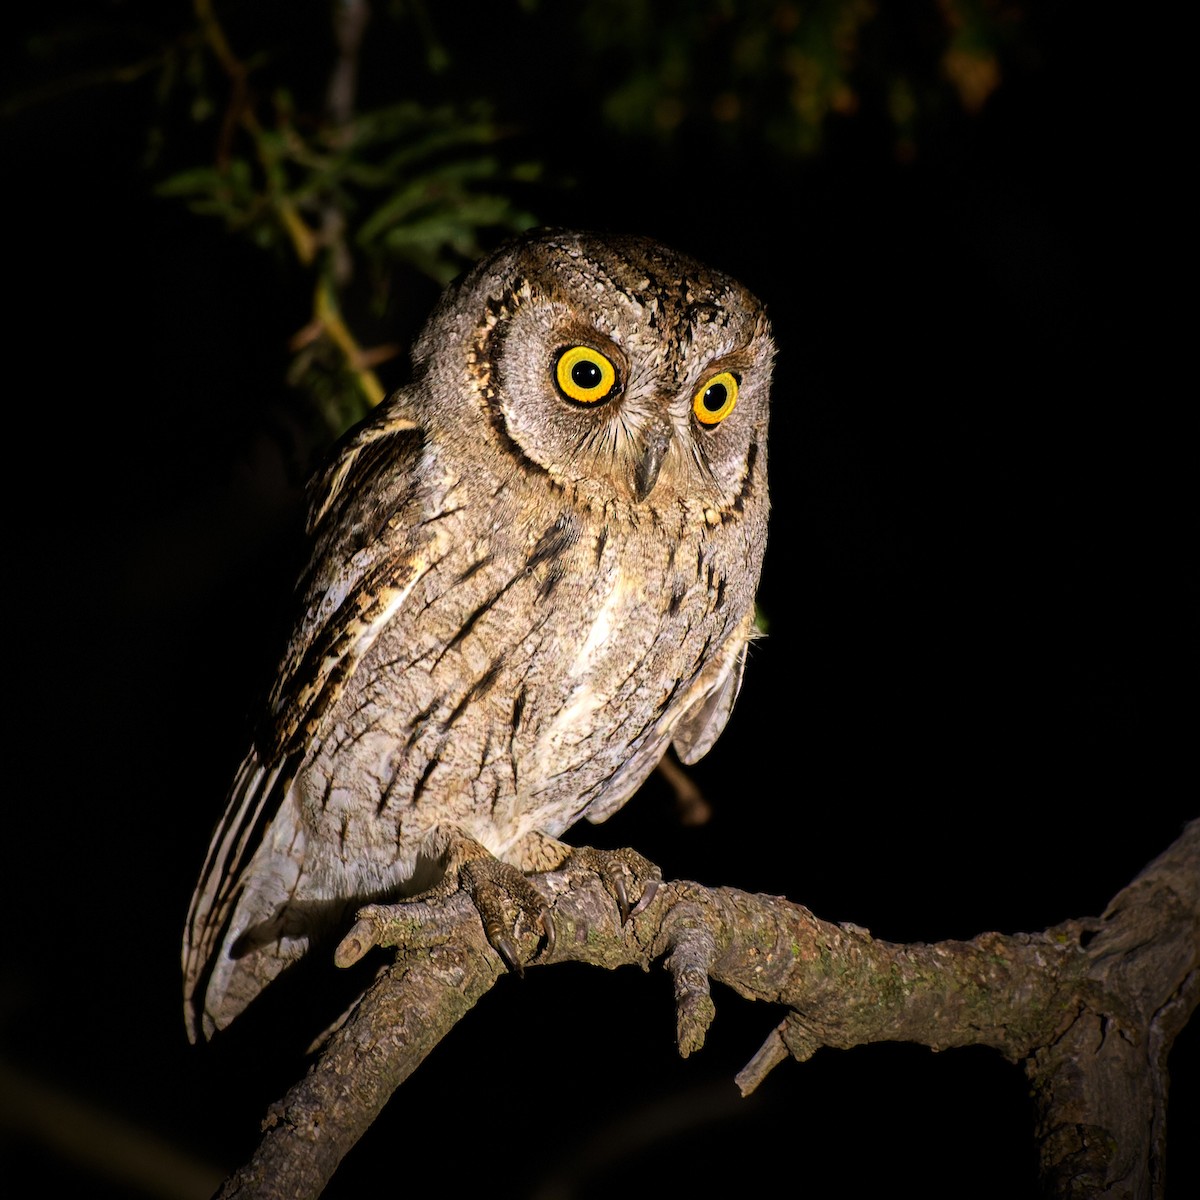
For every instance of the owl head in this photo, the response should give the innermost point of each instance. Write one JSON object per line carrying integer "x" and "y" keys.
{"x": 625, "y": 374}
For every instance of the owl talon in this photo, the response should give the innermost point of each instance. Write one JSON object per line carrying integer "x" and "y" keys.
{"x": 618, "y": 882}
{"x": 648, "y": 894}
{"x": 617, "y": 869}
{"x": 507, "y": 951}
{"x": 548, "y": 933}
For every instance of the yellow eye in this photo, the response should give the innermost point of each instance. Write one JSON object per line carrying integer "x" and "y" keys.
{"x": 584, "y": 375}
{"x": 715, "y": 399}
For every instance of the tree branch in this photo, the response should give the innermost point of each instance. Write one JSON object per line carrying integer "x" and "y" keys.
{"x": 1090, "y": 1007}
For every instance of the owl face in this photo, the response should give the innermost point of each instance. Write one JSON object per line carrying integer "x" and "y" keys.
{"x": 623, "y": 372}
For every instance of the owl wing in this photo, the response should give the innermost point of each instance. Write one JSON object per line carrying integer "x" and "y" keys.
{"x": 700, "y": 726}
{"x": 691, "y": 725}
{"x": 363, "y": 566}
{"x": 367, "y": 488}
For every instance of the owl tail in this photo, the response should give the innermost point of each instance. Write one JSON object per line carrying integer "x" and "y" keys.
{"x": 242, "y": 926}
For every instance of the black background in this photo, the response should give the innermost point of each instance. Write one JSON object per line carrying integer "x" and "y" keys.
{"x": 974, "y": 709}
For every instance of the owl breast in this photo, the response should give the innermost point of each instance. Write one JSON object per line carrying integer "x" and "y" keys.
{"x": 503, "y": 699}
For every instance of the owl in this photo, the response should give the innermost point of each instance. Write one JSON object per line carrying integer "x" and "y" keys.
{"x": 533, "y": 570}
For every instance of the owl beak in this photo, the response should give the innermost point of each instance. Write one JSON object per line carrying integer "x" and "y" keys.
{"x": 645, "y": 474}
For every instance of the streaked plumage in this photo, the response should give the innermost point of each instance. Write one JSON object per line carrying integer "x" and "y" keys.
{"x": 522, "y": 588}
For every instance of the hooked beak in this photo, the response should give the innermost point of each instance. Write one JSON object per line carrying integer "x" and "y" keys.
{"x": 645, "y": 474}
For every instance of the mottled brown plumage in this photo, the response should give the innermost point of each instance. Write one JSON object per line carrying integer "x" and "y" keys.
{"x": 533, "y": 569}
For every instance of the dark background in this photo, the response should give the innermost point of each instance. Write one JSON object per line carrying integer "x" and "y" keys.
{"x": 974, "y": 709}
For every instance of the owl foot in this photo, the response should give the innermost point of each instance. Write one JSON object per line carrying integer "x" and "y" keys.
{"x": 488, "y": 881}
{"x": 624, "y": 873}
{"x": 495, "y": 888}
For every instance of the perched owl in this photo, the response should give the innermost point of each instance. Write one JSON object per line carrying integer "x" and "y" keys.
{"x": 533, "y": 569}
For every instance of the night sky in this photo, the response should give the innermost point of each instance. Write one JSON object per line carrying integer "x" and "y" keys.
{"x": 974, "y": 710}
